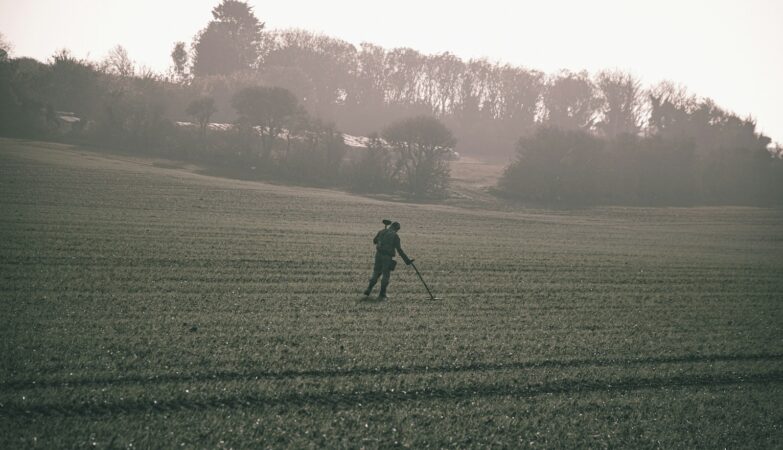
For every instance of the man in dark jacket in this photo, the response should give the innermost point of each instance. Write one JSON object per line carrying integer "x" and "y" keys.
{"x": 387, "y": 245}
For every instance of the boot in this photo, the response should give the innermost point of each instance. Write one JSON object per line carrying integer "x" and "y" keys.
{"x": 369, "y": 289}
{"x": 382, "y": 294}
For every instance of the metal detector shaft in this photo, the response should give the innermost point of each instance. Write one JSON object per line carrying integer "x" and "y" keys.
{"x": 432, "y": 297}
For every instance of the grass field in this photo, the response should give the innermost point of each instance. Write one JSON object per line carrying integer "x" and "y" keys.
{"x": 142, "y": 305}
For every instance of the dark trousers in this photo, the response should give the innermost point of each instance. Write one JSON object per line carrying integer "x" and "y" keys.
{"x": 381, "y": 269}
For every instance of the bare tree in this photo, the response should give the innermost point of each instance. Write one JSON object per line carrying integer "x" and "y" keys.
{"x": 371, "y": 80}
{"x": 179, "y": 60}
{"x": 329, "y": 64}
{"x": 202, "y": 110}
{"x": 521, "y": 91}
{"x": 422, "y": 145}
{"x": 268, "y": 108}
{"x": 117, "y": 62}
{"x": 570, "y": 101}
{"x": 403, "y": 72}
{"x": 620, "y": 95}
{"x": 5, "y": 48}
{"x": 448, "y": 73}
{"x": 670, "y": 106}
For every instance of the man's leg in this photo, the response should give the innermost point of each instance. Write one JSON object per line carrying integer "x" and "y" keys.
{"x": 384, "y": 282}
{"x": 373, "y": 280}
{"x": 376, "y": 273}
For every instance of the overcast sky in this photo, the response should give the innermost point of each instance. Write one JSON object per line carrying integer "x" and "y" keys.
{"x": 731, "y": 51}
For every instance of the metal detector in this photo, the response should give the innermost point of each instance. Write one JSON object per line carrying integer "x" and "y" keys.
{"x": 432, "y": 297}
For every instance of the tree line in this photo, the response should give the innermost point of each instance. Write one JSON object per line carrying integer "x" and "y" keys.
{"x": 271, "y": 136}
{"x": 578, "y": 138}
{"x": 606, "y": 125}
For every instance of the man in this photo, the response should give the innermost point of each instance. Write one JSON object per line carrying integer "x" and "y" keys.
{"x": 387, "y": 245}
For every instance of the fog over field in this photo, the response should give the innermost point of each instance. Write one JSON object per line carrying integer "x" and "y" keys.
{"x": 302, "y": 235}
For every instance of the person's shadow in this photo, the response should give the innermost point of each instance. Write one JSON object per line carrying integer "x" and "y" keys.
{"x": 370, "y": 299}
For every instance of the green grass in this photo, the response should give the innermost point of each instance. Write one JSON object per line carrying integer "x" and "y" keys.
{"x": 145, "y": 306}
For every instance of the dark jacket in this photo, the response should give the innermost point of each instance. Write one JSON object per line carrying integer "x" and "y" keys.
{"x": 378, "y": 237}
{"x": 387, "y": 242}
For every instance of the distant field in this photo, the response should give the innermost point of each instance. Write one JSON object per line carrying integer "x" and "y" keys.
{"x": 144, "y": 305}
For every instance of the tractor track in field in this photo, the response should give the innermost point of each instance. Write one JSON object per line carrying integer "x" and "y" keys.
{"x": 15, "y": 385}
{"x": 343, "y": 399}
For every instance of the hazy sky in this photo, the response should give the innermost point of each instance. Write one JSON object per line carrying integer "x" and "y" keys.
{"x": 731, "y": 51}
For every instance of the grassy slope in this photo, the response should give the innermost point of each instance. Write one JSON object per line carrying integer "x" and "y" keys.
{"x": 148, "y": 305}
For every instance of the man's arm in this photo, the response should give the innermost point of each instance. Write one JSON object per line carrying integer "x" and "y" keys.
{"x": 404, "y": 257}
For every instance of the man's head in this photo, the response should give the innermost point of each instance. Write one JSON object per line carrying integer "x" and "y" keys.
{"x": 396, "y": 226}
